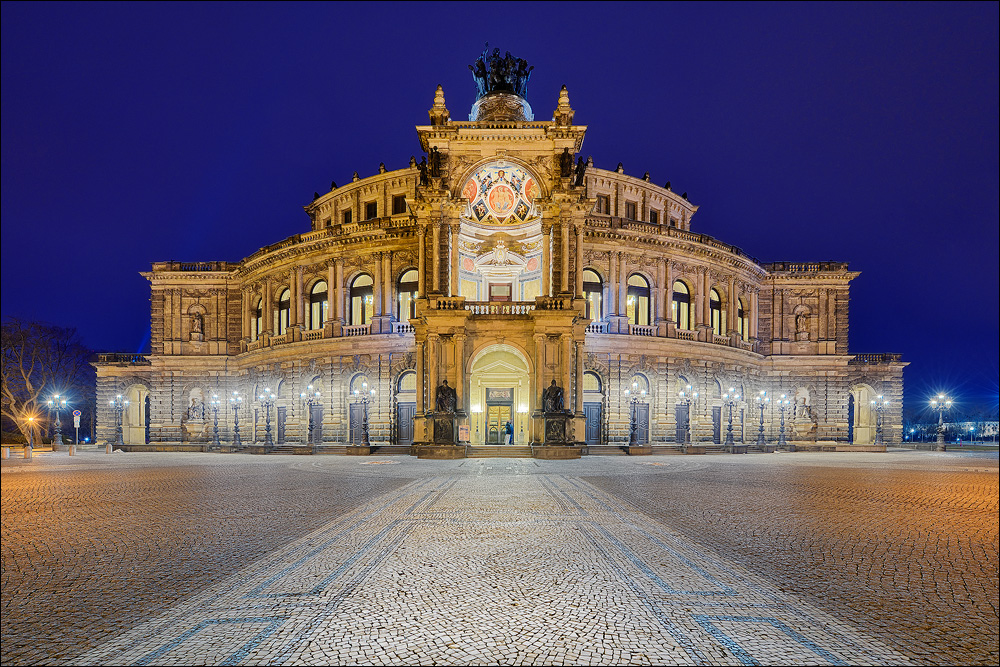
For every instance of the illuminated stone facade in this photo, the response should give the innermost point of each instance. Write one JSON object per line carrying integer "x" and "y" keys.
{"x": 501, "y": 262}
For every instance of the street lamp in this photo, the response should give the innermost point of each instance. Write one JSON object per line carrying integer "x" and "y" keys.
{"x": 782, "y": 406}
{"x": 879, "y": 404}
{"x": 972, "y": 435}
{"x": 687, "y": 397}
{"x": 267, "y": 400}
{"x": 31, "y": 436}
{"x": 364, "y": 396}
{"x": 633, "y": 425}
{"x": 731, "y": 398}
{"x": 235, "y": 401}
{"x": 118, "y": 404}
{"x": 762, "y": 400}
{"x": 312, "y": 398}
{"x": 57, "y": 403}
{"x": 214, "y": 404}
{"x": 941, "y": 403}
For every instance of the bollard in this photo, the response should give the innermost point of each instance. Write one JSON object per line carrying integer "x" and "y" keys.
{"x": 6, "y": 452}
{"x": 72, "y": 450}
{"x": 109, "y": 448}
{"x": 27, "y": 451}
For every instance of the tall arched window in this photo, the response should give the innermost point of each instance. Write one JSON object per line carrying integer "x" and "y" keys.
{"x": 593, "y": 294}
{"x": 318, "y": 304}
{"x": 362, "y": 299}
{"x": 257, "y": 323}
{"x": 281, "y": 315}
{"x": 407, "y": 295}
{"x": 680, "y": 305}
{"x": 637, "y": 301}
{"x": 718, "y": 316}
{"x": 742, "y": 321}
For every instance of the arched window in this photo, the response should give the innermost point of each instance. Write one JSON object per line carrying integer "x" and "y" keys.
{"x": 591, "y": 382}
{"x": 257, "y": 323}
{"x": 318, "y": 304}
{"x": 362, "y": 299}
{"x": 407, "y": 295}
{"x": 407, "y": 382}
{"x": 637, "y": 301}
{"x": 281, "y": 315}
{"x": 742, "y": 320}
{"x": 680, "y": 305}
{"x": 718, "y": 316}
{"x": 360, "y": 385}
{"x": 593, "y": 294}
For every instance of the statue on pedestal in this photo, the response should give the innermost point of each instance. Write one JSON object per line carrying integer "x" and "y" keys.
{"x": 552, "y": 398}
{"x": 445, "y": 398}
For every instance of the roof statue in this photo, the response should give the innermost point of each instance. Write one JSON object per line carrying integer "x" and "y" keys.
{"x": 494, "y": 74}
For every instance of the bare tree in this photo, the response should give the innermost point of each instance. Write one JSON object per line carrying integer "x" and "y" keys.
{"x": 40, "y": 360}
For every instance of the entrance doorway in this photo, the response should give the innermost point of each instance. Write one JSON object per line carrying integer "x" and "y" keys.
{"x": 499, "y": 391}
{"x": 499, "y": 411}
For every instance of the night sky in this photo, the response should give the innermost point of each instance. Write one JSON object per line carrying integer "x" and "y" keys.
{"x": 864, "y": 133}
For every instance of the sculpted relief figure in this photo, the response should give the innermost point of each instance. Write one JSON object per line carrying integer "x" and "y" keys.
{"x": 552, "y": 398}
{"x": 445, "y": 398}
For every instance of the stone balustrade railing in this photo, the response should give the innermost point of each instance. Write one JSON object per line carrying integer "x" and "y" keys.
{"x": 356, "y": 330}
{"x": 641, "y": 330}
{"x": 597, "y": 327}
{"x": 500, "y": 307}
{"x": 402, "y": 328}
{"x": 876, "y": 358}
{"x": 316, "y": 334}
{"x": 123, "y": 358}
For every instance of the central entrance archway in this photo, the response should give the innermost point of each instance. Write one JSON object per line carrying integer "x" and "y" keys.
{"x": 499, "y": 391}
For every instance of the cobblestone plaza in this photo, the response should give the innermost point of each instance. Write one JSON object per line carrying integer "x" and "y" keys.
{"x": 790, "y": 558}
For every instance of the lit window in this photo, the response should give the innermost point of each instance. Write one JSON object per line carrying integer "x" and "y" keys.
{"x": 742, "y": 321}
{"x": 258, "y": 320}
{"x": 362, "y": 299}
{"x": 408, "y": 295}
{"x": 593, "y": 293}
{"x": 284, "y": 310}
{"x": 318, "y": 305}
{"x": 680, "y": 305}
{"x": 718, "y": 317}
{"x": 637, "y": 303}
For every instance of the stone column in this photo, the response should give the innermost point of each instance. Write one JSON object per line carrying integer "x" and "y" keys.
{"x": 432, "y": 368}
{"x": 546, "y": 259}
{"x": 579, "y": 378}
{"x": 622, "y": 286}
{"x": 300, "y": 297}
{"x": 453, "y": 283}
{"x": 330, "y": 299}
{"x": 436, "y": 258}
{"x": 731, "y": 309}
{"x": 706, "y": 311}
{"x": 267, "y": 309}
{"x": 458, "y": 340}
{"x": 293, "y": 301}
{"x": 245, "y": 292}
{"x": 421, "y": 401}
{"x": 340, "y": 290}
{"x": 579, "y": 261}
{"x": 421, "y": 268}
{"x": 613, "y": 284}
{"x": 567, "y": 365}
{"x": 753, "y": 314}
{"x": 539, "y": 384}
{"x": 564, "y": 235}
{"x": 377, "y": 285}
{"x": 387, "y": 290}
{"x": 659, "y": 305}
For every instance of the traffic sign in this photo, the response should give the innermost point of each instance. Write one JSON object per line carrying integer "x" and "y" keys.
{"x": 77, "y": 413}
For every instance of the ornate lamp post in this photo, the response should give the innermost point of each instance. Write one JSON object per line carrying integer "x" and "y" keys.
{"x": 633, "y": 425}
{"x": 782, "y": 403}
{"x": 267, "y": 400}
{"x": 762, "y": 400}
{"x": 364, "y": 396}
{"x": 57, "y": 403}
{"x": 118, "y": 404}
{"x": 941, "y": 403}
{"x": 879, "y": 404}
{"x": 31, "y": 438}
{"x": 687, "y": 398}
{"x": 214, "y": 404}
{"x": 311, "y": 398}
{"x": 235, "y": 401}
{"x": 730, "y": 399}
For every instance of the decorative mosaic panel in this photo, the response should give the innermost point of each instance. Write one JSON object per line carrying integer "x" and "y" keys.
{"x": 501, "y": 193}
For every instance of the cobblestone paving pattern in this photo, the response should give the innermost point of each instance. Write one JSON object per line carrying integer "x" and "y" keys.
{"x": 905, "y": 547}
{"x": 229, "y": 559}
{"x": 90, "y": 547}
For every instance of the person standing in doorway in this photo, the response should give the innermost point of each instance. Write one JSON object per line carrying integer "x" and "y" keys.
{"x": 508, "y": 430}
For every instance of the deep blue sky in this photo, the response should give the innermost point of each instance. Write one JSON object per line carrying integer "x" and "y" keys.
{"x": 866, "y": 133}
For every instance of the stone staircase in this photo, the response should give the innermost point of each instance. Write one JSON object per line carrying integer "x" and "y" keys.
{"x": 498, "y": 451}
{"x": 605, "y": 450}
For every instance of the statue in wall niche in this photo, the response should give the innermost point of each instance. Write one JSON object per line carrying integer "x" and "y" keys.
{"x": 804, "y": 425}
{"x": 197, "y": 409}
{"x": 445, "y": 398}
{"x": 802, "y": 326}
{"x": 552, "y": 398}
{"x": 566, "y": 163}
{"x": 197, "y": 323}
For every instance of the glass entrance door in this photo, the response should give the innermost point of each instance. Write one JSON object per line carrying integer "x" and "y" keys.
{"x": 497, "y": 416}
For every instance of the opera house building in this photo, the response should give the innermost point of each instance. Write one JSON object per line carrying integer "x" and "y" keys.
{"x": 502, "y": 278}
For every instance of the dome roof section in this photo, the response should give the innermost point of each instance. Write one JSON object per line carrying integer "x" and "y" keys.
{"x": 501, "y": 193}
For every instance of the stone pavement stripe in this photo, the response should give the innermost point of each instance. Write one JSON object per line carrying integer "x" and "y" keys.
{"x": 746, "y": 658}
{"x": 236, "y": 657}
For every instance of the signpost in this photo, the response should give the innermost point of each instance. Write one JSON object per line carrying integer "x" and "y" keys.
{"x": 76, "y": 425}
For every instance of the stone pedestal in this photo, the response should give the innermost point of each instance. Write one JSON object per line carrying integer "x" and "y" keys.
{"x": 445, "y": 428}
{"x": 555, "y": 429}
